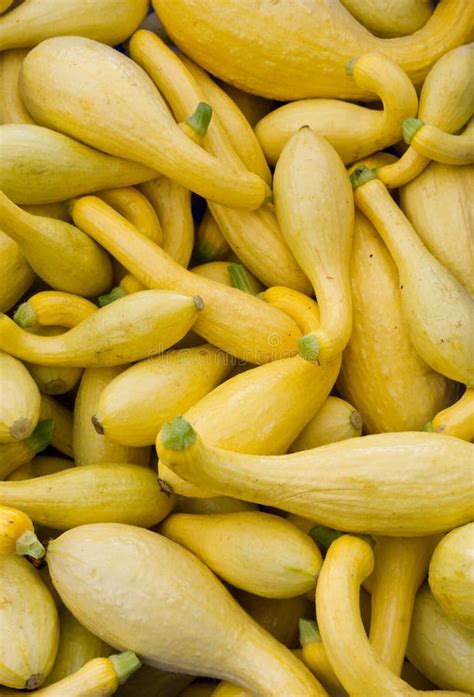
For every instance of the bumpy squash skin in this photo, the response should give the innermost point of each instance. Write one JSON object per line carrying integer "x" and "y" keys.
{"x": 452, "y": 576}
{"x": 167, "y": 623}
{"x": 381, "y": 374}
{"x": 29, "y": 626}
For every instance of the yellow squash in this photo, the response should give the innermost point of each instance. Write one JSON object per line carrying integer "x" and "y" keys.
{"x": 278, "y": 616}
{"x": 59, "y": 210}
{"x": 53, "y": 308}
{"x": 29, "y": 627}
{"x": 356, "y": 663}
{"x": 314, "y": 656}
{"x": 315, "y": 209}
{"x": 457, "y": 420}
{"x": 133, "y": 407}
{"x": 99, "y": 677}
{"x": 17, "y": 535}
{"x": 446, "y": 101}
{"x": 76, "y": 647}
{"x": 234, "y": 322}
{"x": 382, "y": 375}
{"x": 90, "y": 494}
{"x": 216, "y": 504}
{"x": 19, "y": 400}
{"x": 227, "y": 689}
{"x": 257, "y": 552}
{"x": 133, "y": 327}
{"x": 53, "y": 379}
{"x": 90, "y": 447}
{"x": 150, "y": 682}
{"x": 230, "y": 274}
{"x": 353, "y": 131}
{"x": 253, "y": 107}
{"x": 336, "y": 420}
{"x": 16, "y": 275}
{"x": 5, "y": 4}
{"x": 438, "y": 310}
{"x": 12, "y": 109}
{"x": 63, "y": 256}
{"x": 435, "y": 144}
{"x": 400, "y": 569}
{"x": 211, "y": 245}
{"x": 440, "y": 648}
{"x": 438, "y": 205}
{"x": 424, "y": 480}
{"x": 109, "y": 21}
{"x": 254, "y": 236}
{"x": 38, "y": 165}
{"x": 40, "y": 466}
{"x": 125, "y": 116}
{"x": 236, "y": 126}
{"x": 172, "y": 203}
{"x": 14, "y": 455}
{"x": 324, "y": 36}
{"x": 62, "y": 417}
{"x": 168, "y": 623}
{"x": 134, "y": 206}
{"x": 392, "y": 18}
{"x": 452, "y": 575}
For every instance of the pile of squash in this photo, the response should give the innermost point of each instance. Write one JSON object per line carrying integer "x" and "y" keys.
{"x": 236, "y": 348}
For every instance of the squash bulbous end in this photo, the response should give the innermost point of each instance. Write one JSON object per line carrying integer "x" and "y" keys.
{"x": 308, "y": 348}
{"x": 28, "y": 545}
{"x": 361, "y": 175}
{"x": 410, "y": 128}
{"x": 125, "y": 664}
{"x": 25, "y": 316}
{"x": 21, "y": 429}
{"x": 115, "y": 294}
{"x": 178, "y": 434}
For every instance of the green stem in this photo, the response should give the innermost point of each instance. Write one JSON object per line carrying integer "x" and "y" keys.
{"x": 178, "y": 434}
{"x": 115, "y": 294}
{"x": 309, "y": 632}
{"x": 349, "y": 67}
{"x": 41, "y": 436}
{"x": 205, "y": 252}
{"x": 125, "y": 664}
{"x": 361, "y": 175}
{"x": 308, "y": 348}
{"x": 410, "y": 128}
{"x": 428, "y": 427}
{"x": 25, "y": 316}
{"x": 324, "y": 536}
{"x": 200, "y": 120}
{"x": 240, "y": 278}
{"x": 29, "y": 545}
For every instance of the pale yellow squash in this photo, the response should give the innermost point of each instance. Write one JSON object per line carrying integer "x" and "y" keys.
{"x": 424, "y": 480}
{"x": 257, "y": 552}
{"x": 122, "y": 113}
{"x": 435, "y": 144}
{"x": 169, "y": 624}
{"x": 53, "y": 308}
{"x": 137, "y": 402}
{"x": 134, "y": 206}
{"x": 12, "y": 109}
{"x": 109, "y": 21}
{"x": 382, "y": 375}
{"x": 253, "y": 107}
{"x": 336, "y": 420}
{"x": 19, "y": 400}
{"x": 16, "y": 275}
{"x": 451, "y": 575}
{"x": 324, "y": 36}
{"x": 315, "y": 209}
{"x": 278, "y": 616}
{"x": 438, "y": 205}
{"x": 392, "y": 18}
{"x": 456, "y": 420}
{"x": 353, "y": 131}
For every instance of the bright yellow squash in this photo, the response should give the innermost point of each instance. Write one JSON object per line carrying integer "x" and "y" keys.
{"x": 17, "y": 535}
{"x": 53, "y": 308}
{"x": 12, "y": 109}
{"x": 257, "y": 552}
{"x": 76, "y": 647}
{"x": 129, "y": 329}
{"x": 90, "y": 494}
{"x": 452, "y": 575}
{"x": 124, "y": 115}
{"x": 63, "y": 256}
{"x": 336, "y": 420}
{"x": 211, "y": 245}
{"x": 109, "y": 21}
{"x": 440, "y": 648}
{"x": 435, "y": 144}
{"x": 14, "y": 455}
{"x": 456, "y": 420}
{"x": 19, "y": 400}
{"x": 315, "y": 209}
{"x": 324, "y": 36}
{"x": 182, "y": 619}
{"x": 134, "y": 406}
{"x": 16, "y": 275}
{"x": 424, "y": 480}
{"x": 313, "y": 655}
{"x": 38, "y": 165}
{"x": 231, "y": 320}
{"x": 438, "y": 205}
{"x": 29, "y": 627}
{"x": 353, "y": 131}
{"x": 382, "y": 375}
{"x": 438, "y": 310}
{"x": 134, "y": 206}
{"x": 392, "y": 18}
